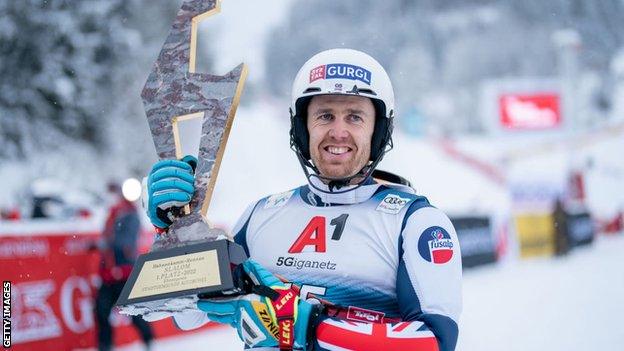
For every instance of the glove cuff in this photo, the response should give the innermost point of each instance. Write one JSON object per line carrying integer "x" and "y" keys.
{"x": 191, "y": 160}
{"x": 308, "y": 319}
{"x": 163, "y": 215}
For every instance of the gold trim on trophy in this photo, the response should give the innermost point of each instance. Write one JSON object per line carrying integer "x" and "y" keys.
{"x": 176, "y": 131}
{"x": 194, "y": 23}
{"x": 175, "y": 121}
{"x": 226, "y": 135}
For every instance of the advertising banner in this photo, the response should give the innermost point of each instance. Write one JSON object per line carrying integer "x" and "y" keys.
{"x": 53, "y": 282}
{"x": 530, "y": 111}
{"x": 580, "y": 228}
{"x": 476, "y": 240}
{"x": 536, "y": 234}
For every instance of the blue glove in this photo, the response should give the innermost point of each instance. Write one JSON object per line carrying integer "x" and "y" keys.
{"x": 170, "y": 186}
{"x": 260, "y": 320}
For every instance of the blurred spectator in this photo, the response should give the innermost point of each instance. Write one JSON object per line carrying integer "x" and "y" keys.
{"x": 562, "y": 235}
{"x": 46, "y": 207}
{"x": 11, "y": 214}
{"x": 54, "y": 199}
{"x": 119, "y": 251}
{"x": 576, "y": 186}
{"x": 613, "y": 225}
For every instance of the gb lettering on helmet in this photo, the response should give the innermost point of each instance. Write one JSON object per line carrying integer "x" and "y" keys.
{"x": 343, "y": 72}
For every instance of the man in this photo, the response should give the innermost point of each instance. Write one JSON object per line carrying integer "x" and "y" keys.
{"x": 118, "y": 248}
{"x": 562, "y": 233}
{"x": 376, "y": 266}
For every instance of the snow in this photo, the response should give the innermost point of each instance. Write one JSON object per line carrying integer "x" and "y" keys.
{"x": 436, "y": 176}
{"x": 240, "y": 31}
{"x": 568, "y": 303}
{"x": 571, "y": 303}
{"x": 604, "y": 180}
{"x": 219, "y": 338}
{"x": 269, "y": 162}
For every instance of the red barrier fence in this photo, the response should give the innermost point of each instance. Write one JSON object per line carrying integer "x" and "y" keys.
{"x": 54, "y": 281}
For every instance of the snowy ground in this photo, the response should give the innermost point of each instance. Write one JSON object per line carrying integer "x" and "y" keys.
{"x": 571, "y": 303}
{"x": 216, "y": 339}
{"x": 557, "y": 304}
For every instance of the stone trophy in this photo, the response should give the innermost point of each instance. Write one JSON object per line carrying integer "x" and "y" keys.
{"x": 191, "y": 258}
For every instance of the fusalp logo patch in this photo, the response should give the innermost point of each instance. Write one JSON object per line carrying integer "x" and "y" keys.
{"x": 435, "y": 245}
{"x": 340, "y": 70}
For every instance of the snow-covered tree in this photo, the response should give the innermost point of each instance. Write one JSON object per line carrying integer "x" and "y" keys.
{"x": 71, "y": 73}
{"x": 68, "y": 66}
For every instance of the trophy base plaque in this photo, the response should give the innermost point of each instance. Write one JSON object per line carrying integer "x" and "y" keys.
{"x": 169, "y": 280}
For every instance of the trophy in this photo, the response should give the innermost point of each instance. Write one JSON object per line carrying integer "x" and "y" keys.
{"x": 188, "y": 113}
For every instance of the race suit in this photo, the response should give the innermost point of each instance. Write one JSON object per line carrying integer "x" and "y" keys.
{"x": 385, "y": 254}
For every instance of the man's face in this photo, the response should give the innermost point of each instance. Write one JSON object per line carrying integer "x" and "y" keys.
{"x": 341, "y": 128}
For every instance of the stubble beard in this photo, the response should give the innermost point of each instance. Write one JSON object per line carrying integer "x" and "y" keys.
{"x": 342, "y": 170}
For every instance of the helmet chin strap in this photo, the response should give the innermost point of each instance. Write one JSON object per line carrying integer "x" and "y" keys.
{"x": 337, "y": 183}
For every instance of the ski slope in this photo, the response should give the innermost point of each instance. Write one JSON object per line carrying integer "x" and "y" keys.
{"x": 569, "y": 303}
{"x": 572, "y": 303}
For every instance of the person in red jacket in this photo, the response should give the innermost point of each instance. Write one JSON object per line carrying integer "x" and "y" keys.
{"x": 118, "y": 248}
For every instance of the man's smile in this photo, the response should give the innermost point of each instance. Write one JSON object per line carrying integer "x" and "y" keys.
{"x": 337, "y": 150}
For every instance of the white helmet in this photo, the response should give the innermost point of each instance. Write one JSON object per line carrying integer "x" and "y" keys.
{"x": 343, "y": 72}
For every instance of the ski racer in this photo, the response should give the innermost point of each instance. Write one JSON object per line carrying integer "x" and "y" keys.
{"x": 352, "y": 264}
